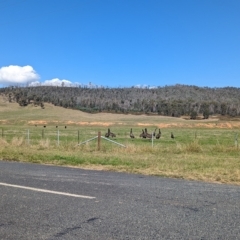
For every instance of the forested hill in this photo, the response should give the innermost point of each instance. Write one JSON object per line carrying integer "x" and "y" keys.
{"x": 174, "y": 100}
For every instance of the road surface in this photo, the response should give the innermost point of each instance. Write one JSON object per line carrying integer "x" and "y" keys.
{"x": 50, "y": 202}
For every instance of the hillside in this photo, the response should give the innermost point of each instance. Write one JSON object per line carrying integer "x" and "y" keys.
{"x": 175, "y": 101}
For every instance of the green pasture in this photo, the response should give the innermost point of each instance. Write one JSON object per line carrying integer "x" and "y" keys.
{"x": 201, "y": 150}
{"x": 206, "y": 138}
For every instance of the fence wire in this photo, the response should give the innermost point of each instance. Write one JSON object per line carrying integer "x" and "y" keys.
{"x": 33, "y": 135}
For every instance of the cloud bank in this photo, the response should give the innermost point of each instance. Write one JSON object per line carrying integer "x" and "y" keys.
{"x": 54, "y": 82}
{"x": 145, "y": 86}
{"x": 18, "y": 75}
{"x": 26, "y": 75}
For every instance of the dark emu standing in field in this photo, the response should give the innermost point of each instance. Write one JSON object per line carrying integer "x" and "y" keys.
{"x": 172, "y": 136}
{"x": 148, "y": 135}
{"x": 131, "y": 134}
{"x": 110, "y": 134}
{"x": 159, "y": 134}
{"x": 142, "y": 135}
{"x": 154, "y": 133}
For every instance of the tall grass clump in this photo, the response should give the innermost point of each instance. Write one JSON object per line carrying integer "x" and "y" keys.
{"x": 44, "y": 144}
{"x": 192, "y": 147}
{"x": 18, "y": 141}
{"x": 220, "y": 148}
{"x": 3, "y": 142}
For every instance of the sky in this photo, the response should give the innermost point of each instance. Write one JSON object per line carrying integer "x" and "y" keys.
{"x": 120, "y": 43}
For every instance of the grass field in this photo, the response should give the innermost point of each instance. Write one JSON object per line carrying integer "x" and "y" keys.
{"x": 205, "y": 150}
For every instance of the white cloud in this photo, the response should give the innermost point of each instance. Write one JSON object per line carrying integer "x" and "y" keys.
{"x": 145, "y": 86}
{"x": 55, "y": 82}
{"x": 17, "y": 75}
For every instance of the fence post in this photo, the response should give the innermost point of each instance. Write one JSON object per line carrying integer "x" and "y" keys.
{"x": 152, "y": 139}
{"x": 99, "y": 140}
{"x": 28, "y": 136}
{"x": 236, "y": 140}
{"x": 58, "y": 137}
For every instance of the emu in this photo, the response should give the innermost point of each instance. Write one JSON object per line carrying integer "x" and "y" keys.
{"x": 148, "y": 135}
{"x": 142, "y": 135}
{"x": 154, "y": 133}
{"x": 65, "y": 126}
{"x": 107, "y": 134}
{"x": 110, "y": 134}
{"x": 172, "y": 136}
{"x": 131, "y": 134}
{"x": 159, "y": 134}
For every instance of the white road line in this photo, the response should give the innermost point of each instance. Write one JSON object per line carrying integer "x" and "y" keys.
{"x": 46, "y": 191}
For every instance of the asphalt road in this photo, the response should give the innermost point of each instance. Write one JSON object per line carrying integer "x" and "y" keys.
{"x": 48, "y": 202}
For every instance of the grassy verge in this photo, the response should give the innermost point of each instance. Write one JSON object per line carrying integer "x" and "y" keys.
{"x": 190, "y": 160}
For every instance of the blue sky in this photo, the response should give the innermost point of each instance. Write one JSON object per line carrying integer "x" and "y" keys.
{"x": 120, "y": 43}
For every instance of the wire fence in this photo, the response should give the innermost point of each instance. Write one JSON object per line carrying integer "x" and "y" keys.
{"x": 34, "y": 136}
{"x": 78, "y": 136}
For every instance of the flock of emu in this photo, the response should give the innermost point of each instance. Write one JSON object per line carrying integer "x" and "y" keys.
{"x": 144, "y": 134}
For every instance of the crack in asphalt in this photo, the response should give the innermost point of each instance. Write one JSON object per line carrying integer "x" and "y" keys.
{"x": 92, "y": 219}
{"x": 67, "y": 230}
{"x": 70, "y": 229}
{"x": 6, "y": 224}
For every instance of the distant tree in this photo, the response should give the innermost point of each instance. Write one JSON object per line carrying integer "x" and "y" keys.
{"x": 223, "y": 109}
{"x": 206, "y": 113}
{"x": 232, "y": 112}
{"x": 42, "y": 105}
{"x": 23, "y": 102}
{"x": 193, "y": 114}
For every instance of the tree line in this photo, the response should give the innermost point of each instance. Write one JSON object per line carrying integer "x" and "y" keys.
{"x": 175, "y": 101}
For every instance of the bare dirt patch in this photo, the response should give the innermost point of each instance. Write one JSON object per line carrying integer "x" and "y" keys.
{"x": 39, "y": 122}
{"x": 216, "y": 125}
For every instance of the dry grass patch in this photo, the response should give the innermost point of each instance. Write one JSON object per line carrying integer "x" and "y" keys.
{"x": 44, "y": 144}
{"x": 17, "y": 141}
{"x": 3, "y": 142}
{"x": 185, "y": 161}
